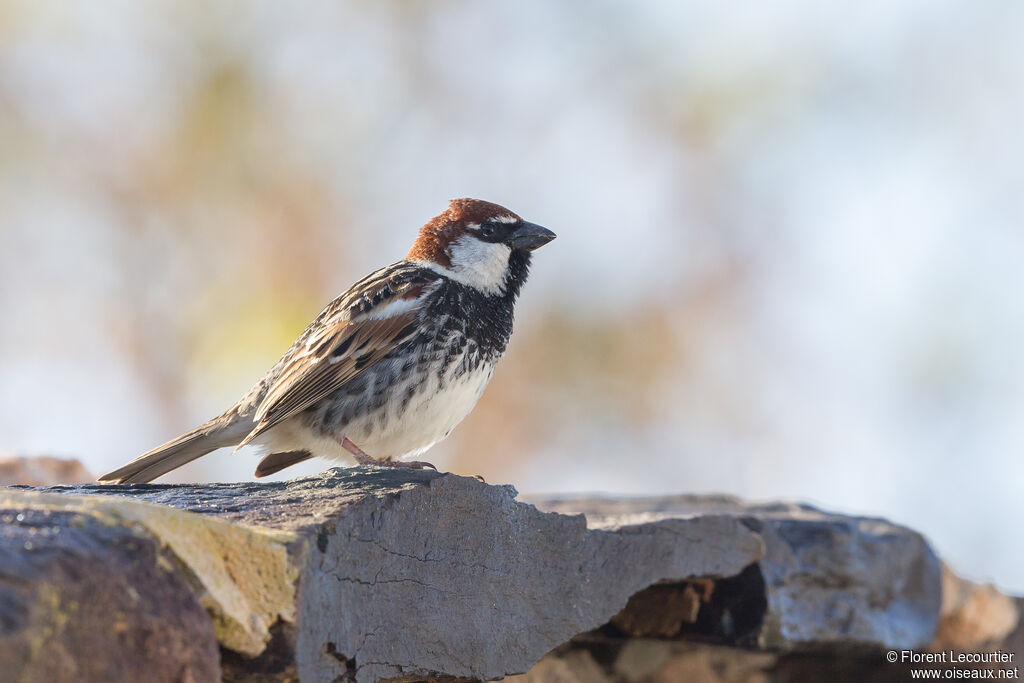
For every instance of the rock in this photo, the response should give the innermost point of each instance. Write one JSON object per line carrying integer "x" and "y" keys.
{"x": 973, "y": 615}
{"x": 650, "y": 661}
{"x": 243, "y": 577}
{"x": 369, "y": 574}
{"x": 661, "y": 661}
{"x": 575, "y": 666}
{"x": 84, "y": 599}
{"x": 42, "y": 470}
{"x": 824, "y": 578}
{"x": 417, "y": 574}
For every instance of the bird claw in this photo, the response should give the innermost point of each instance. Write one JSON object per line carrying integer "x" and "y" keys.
{"x": 363, "y": 458}
{"x": 411, "y": 464}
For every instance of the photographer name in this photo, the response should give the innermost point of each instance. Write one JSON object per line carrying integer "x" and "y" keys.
{"x": 952, "y": 657}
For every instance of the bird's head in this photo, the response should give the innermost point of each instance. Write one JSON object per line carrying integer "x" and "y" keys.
{"x": 479, "y": 244}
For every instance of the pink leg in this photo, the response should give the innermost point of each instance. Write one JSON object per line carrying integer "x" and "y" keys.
{"x": 364, "y": 459}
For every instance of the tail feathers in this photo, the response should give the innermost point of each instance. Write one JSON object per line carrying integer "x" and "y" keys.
{"x": 215, "y": 434}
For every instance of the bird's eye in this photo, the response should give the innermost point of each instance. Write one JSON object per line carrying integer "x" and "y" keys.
{"x": 488, "y": 229}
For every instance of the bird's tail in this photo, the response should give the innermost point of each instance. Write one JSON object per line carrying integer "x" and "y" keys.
{"x": 217, "y": 433}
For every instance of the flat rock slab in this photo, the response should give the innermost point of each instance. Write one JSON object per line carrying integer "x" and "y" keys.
{"x": 366, "y": 574}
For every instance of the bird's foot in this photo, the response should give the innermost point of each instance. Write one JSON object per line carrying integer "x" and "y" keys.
{"x": 411, "y": 464}
{"x": 364, "y": 458}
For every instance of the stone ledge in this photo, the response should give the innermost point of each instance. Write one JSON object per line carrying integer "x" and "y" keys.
{"x": 368, "y": 574}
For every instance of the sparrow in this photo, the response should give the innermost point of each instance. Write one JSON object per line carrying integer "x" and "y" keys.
{"x": 390, "y": 367}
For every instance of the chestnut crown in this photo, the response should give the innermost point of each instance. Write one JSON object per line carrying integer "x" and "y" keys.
{"x": 472, "y": 242}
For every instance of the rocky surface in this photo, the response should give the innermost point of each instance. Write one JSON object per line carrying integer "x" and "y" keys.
{"x": 369, "y": 574}
{"x": 824, "y": 578}
{"x": 85, "y": 600}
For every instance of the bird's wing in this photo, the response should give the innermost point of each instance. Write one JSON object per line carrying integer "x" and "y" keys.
{"x": 376, "y": 316}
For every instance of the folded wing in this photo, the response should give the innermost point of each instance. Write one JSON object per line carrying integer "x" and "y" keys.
{"x": 385, "y": 317}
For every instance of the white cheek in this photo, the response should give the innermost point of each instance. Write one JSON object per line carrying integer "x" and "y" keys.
{"x": 482, "y": 265}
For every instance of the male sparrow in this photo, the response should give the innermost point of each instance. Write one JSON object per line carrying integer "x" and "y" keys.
{"x": 390, "y": 366}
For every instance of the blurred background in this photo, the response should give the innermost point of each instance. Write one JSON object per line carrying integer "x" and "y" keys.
{"x": 790, "y": 246}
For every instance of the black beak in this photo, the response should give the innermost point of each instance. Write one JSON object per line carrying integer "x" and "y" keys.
{"x": 530, "y": 236}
